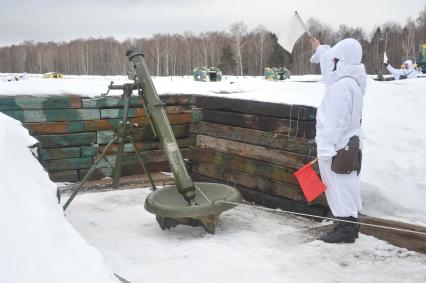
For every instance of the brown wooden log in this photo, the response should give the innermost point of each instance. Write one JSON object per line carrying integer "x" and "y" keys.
{"x": 260, "y": 138}
{"x": 233, "y": 163}
{"x": 256, "y": 107}
{"x": 64, "y": 176}
{"x": 97, "y": 125}
{"x": 143, "y": 134}
{"x": 292, "y": 128}
{"x": 270, "y": 200}
{"x": 411, "y": 241}
{"x": 66, "y": 140}
{"x": 257, "y": 183}
{"x": 279, "y": 157}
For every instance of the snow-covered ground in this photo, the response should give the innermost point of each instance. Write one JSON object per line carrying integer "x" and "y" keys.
{"x": 393, "y": 175}
{"x": 250, "y": 245}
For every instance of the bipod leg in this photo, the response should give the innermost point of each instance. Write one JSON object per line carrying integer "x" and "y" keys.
{"x": 88, "y": 174}
{"x": 142, "y": 162}
{"x": 118, "y": 163}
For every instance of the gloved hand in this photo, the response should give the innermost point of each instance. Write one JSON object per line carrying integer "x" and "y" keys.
{"x": 385, "y": 64}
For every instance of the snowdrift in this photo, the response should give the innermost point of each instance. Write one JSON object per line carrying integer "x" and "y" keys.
{"x": 37, "y": 243}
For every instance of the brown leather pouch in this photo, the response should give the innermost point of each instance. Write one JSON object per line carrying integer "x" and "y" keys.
{"x": 348, "y": 158}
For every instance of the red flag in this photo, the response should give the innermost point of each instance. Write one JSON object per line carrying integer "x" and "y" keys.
{"x": 311, "y": 184}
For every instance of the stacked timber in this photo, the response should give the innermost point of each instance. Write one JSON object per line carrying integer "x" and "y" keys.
{"x": 73, "y": 130}
{"x": 256, "y": 146}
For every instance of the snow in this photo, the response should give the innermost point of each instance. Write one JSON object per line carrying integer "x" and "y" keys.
{"x": 393, "y": 179}
{"x": 250, "y": 245}
{"x": 37, "y": 243}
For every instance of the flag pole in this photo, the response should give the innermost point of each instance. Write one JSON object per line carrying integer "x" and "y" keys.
{"x": 303, "y": 24}
{"x": 313, "y": 161}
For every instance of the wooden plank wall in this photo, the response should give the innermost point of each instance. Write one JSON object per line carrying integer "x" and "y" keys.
{"x": 257, "y": 146}
{"x": 72, "y": 130}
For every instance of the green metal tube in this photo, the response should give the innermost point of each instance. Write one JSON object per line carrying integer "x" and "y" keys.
{"x": 161, "y": 125}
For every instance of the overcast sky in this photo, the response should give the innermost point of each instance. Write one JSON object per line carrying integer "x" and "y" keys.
{"x": 59, "y": 20}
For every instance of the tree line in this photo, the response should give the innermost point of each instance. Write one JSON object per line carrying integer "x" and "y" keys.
{"x": 238, "y": 51}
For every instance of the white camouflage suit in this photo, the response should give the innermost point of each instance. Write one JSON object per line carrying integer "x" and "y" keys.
{"x": 338, "y": 119}
{"x": 410, "y": 73}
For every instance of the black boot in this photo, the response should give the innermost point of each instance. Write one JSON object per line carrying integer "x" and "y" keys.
{"x": 343, "y": 233}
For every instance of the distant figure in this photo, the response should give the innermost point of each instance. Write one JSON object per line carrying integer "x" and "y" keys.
{"x": 408, "y": 72}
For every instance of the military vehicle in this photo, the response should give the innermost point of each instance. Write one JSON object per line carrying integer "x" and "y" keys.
{"x": 204, "y": 74}
{"x": 276, "y": 73}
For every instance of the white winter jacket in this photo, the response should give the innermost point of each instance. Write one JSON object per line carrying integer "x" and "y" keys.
{"x": 410, "y": 73}
{"x": 340, "y": 112}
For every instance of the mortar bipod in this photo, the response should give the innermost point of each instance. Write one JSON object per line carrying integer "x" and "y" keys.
{"x": 123, "y": 134}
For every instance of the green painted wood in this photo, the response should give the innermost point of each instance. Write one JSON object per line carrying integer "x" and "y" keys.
{"x": 53, "y": 115}
{"x": 263, "y": 123}
{"x": 110, "y": 102}
{"x": 33, "y": 102}
{"x": 66, "y": 140}
{"x": 88, "y": 150}
{"x": 60, "y": 153}
{"x": 256, "y": 137}
{"x": 143, "y": 134}
{"x": 262, "y": 108}
{"x": 233, "y": 163}
{"x": 118, "y": 101}
{"x": 67, "y": 164}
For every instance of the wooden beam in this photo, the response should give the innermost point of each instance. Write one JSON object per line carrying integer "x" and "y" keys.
{"x": 260, "y": 138}
{"x": 96, "y": 125}
{"x": 60, "y": 153}
{"x": 291, "y": 128}
{"x": 68, "y": 164}
{"x": 138, "y": 112}
{"x": 414, "y": 242}
{"x": 35, "y": 102}
{"x": 64, "y": 176}
{"x": 279, "y": 110}
{"x": 66, "y": 140}
{"x": 53, "y": 115}
{"x": 130, "y": 158}
{"x": 233, "y": 163}
{"x": 143, "y": 134}
{"x": 118, "y": 101}
{"x": 275, "y": 156}
{"x": 128, "y": 147}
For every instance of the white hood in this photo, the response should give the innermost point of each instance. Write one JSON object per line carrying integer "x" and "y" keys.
{"x": 410, "y": 66}
{"x": 349, "y": 53}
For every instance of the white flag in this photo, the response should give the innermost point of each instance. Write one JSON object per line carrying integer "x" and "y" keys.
{"x": 385, "y": 58}
{"x": 292, "y": 32}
